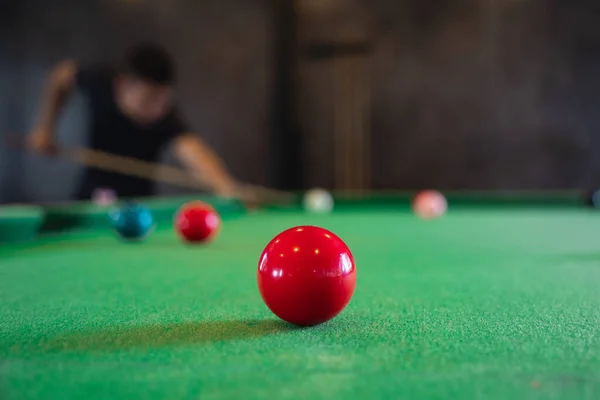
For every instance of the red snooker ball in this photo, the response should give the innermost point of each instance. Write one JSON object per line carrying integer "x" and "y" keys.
{"x": 430, "y": 204}
{"x": 306, "y": 275}
{"x": 197, "y": 222}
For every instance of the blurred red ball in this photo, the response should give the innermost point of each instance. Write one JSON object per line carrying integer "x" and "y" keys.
{"x": 197, "y": 222}
{"x": 429, "y": 204}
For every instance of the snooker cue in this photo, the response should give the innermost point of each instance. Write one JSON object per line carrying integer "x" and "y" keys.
{"x": 158, "y": 172}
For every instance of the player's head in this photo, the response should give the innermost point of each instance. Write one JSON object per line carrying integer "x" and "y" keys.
{"x": 144, "y": 87}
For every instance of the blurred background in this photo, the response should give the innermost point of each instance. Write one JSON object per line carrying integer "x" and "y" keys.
{"x": 363, "y": 95}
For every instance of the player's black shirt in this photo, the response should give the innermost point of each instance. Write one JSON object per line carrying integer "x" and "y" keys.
{"x": 112, "y": 132}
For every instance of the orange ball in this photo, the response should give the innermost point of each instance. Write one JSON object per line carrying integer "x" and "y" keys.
{"x": 429, "y": 204}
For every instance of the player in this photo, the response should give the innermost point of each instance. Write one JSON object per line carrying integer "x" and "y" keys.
{"x": 133, "y": 114}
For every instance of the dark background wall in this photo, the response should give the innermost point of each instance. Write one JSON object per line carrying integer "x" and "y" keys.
{"x": 488, "y": 94}
{"x": 467, "y": 94}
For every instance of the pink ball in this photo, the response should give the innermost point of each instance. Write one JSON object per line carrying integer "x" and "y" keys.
{"x": 104, "y": 197}
{"x": 430, "y": 204}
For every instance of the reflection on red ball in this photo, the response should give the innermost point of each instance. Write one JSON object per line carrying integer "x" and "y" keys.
{"x": 197, "y": 222}
{"x": 430, "y": 204}
{"x": 306, "y": 275}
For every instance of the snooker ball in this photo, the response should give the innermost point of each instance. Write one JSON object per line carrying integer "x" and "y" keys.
{"x": 104, "y": 197}
{"x": 197, "y": 222}
{"x": 318, "y": 201}
{"x": 592, "y": 198}
{"x": 429, "y": 204}
{"x": 306, "y": 275}
{"x": 132, "y": 221}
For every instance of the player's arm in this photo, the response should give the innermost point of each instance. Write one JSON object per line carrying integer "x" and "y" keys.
{"x": 59, "y": 86}
{"x": 205, "y": 164}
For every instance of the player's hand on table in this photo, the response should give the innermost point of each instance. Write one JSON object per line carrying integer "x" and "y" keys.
{"x": 235, "y": 190}
{"x": 226, "y": 188}
{"x": 252, "y": 196}
{"x": 249, "y": 196}
{"x": 255, "y": 196}
{"x": 41, "y": 140}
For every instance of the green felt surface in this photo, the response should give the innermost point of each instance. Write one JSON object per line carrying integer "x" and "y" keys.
{"x": 484, "y": 303}
{"x": 20, "y": 223}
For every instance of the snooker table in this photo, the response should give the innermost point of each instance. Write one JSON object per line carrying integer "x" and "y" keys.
{"x": 500, "y": 298}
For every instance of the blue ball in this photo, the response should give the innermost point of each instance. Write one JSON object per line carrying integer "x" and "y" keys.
{"x": 132, "y": 221}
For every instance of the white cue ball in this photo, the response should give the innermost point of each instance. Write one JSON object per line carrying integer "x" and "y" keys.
{"x": 318, "y": 201}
